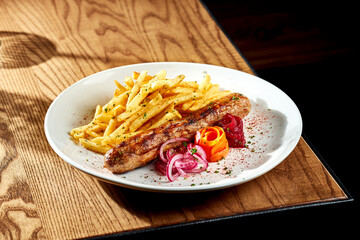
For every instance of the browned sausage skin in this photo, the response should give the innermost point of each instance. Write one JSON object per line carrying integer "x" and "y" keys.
{"x": 141, "y": 149}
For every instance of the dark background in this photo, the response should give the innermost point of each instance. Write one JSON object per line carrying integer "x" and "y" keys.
{"x": 309, "y": 50}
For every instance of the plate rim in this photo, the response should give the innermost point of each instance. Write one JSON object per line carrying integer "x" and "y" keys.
{"x": 155, "y": 188}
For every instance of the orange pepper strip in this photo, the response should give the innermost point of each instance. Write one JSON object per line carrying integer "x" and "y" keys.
{"x": 213, "y": 141}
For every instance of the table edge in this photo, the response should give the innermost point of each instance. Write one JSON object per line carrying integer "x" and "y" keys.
{"x": 218, "y": 219}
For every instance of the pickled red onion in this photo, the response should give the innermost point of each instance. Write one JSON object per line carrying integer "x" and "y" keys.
{"x": 180, "y": 161}
{"x": 233, "y": 127}
{"x": 162, "y": 157}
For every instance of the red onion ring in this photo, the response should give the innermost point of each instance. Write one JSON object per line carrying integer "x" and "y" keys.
{"x": 169, "y": 168}
{"x": 177, "y": 162}
{"x": 162, "y": 157}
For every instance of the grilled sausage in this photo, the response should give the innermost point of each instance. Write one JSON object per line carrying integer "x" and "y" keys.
{"x": 141, "y": 149}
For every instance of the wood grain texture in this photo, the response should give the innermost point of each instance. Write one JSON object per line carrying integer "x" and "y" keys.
{"x": 18, "y": 215}
{"x": 48, "y": 45}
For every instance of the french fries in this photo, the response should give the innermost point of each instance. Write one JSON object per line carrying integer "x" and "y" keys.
{"x": 144, "y": 102}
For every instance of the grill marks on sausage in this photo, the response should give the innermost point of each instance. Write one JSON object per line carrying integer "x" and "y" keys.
{"x": 147, "y": 141}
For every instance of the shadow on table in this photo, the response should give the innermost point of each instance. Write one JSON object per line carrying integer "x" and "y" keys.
{"x": 27, "y": 112}
{"x": 20, "y": 49}
{"x": 169, "y": 208}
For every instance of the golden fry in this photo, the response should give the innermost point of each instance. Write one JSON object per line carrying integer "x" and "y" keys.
{"x": 149, "y": 112}
{"x": 180, "y": 90}
{"x": 119, "y": 100}
{"x": 166, "y": 118}
{"x": 204, "y": 84}
{"x": 129, "y": 83}
{"x": 145, "y": 90}
{"x": 172, "y": 84}
{"x": 147, "y": 78}
{"x": 194, "y": 85}
{"x": 110, "y": 128}
{"x": 120, "y": 87}
{"x": 203, "y": 102}
{"x": 136, "y": 88}
{"x": 118, "y": 139}
{"x": 93, "y": 146}
{"x": 185, "y": 98}
{"x": 161, "y": 75}
{"x": 104, "y": 118}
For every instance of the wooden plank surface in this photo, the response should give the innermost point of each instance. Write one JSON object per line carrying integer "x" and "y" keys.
{"x": 48, "y": 45}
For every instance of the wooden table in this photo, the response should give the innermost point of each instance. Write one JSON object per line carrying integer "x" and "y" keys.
{"x": 48, "y": 45}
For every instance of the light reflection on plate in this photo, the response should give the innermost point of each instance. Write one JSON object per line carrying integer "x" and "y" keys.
{"x": 272, "y": 129}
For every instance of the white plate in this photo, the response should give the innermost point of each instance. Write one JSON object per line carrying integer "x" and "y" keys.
{"x": 273, "y": 127}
